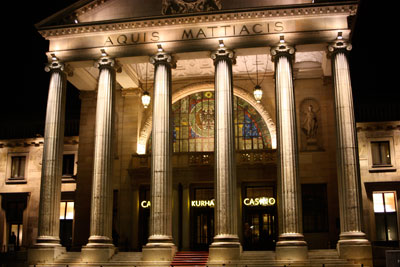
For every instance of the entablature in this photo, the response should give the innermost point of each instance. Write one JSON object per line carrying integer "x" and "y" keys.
{"x": 200, "y": 32}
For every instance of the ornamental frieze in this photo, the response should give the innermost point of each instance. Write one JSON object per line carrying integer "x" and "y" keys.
{"x": 188, "y": 6}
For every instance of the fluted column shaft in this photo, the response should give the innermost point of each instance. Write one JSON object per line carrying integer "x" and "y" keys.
{"x": 289, "y": 204}
{"x": 161, "y": 167}
{"x": 225, "y": 167}
{"x": 102, "y": 197}
{"x": 50, "y": 187}
{"x": 347, "y": 152}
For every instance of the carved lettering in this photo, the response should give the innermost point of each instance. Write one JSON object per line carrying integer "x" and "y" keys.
{"x": 109, "y": 41}
{"x": 256, "y": 28}
{"x": 122, "y": 39}
{"x": 212, "y": 30}
{"x": 278, "y": 26}
{"x": 187, "y": 35}
{"x": 201, "y": 32}
{"x": 244, "y": 29}
{"x": 155, "y": 36}
{"x": 196, "y": 33}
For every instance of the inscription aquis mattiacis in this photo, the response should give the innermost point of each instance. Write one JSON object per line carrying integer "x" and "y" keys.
{"x": 194, "y": 33}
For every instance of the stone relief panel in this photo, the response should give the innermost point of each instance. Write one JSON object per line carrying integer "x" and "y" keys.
{"x": 189, "y": 6}
{"x": 310, "y": 125}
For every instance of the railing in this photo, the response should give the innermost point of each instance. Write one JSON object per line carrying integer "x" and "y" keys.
{"x": 251, "y": 157}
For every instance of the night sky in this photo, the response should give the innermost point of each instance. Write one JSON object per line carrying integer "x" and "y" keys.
{"x": 375, "y": 80}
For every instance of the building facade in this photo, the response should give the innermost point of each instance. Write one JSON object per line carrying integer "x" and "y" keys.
{"x": 208, "y": 165}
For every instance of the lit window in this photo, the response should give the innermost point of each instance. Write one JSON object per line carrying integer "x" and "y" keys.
{"x": 193, "y": 125}
{"x": 380, "y": 153}
{"x": 385, "y": 216}
{"x": 66, "y": 210}
{"x": 18, "y": 167}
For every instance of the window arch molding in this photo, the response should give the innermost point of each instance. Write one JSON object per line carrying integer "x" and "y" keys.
{"x": 202, "y": 87}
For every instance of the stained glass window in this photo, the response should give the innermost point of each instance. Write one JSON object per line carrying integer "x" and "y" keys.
{"x": 193, "y": 124}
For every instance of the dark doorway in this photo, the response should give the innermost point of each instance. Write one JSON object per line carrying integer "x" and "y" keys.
{"x": 259, "y": 218}
{"x": 202, "y": 218}
{"x": 14, "y": 205}
{"x": 144, "y": 214}
{"x": 67, "y": 215}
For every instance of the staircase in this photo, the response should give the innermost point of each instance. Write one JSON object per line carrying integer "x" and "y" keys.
{"x": 190, "y": 259}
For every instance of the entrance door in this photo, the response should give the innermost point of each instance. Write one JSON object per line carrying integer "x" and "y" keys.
{"x": 259, "y": 230}
{"x": 259, "y": 218}
{"x": 203, "y": 228}
{"x": 202, "y": 218}
{"x": 144, "y": 214}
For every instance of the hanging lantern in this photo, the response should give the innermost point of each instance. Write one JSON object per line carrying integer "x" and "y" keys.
{"x": 257, "y": 93}
{"x": 146, "y": 99}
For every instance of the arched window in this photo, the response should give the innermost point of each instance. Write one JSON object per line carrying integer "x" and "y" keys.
{"x": 193, "y": 125}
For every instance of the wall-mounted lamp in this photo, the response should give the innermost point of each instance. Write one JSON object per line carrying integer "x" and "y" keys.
{"x": 339, "y": 36}
{"x": 159, "y": 48}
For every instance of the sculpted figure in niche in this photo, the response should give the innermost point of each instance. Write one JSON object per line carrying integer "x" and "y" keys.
{"x": 188, "y": 6}
{"x": 310, "y": 123}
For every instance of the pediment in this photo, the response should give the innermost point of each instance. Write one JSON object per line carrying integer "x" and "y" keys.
{"x": 86, "y": 12}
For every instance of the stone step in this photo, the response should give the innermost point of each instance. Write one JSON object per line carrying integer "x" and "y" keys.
{"x": 127, "y": 256}
{"x": 69, "y": 257}
{"x": 190, "y": 259}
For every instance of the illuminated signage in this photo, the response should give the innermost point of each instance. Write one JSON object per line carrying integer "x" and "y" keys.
{"x": 259, "y": 201}
{"x": 145, "y": 204}
{"x": 203, "y": 203}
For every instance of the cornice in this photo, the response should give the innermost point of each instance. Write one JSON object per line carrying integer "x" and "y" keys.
{"x": 37, "y": 142}
{"x": 378, "y": 126}
{"x": 193, "y": 19}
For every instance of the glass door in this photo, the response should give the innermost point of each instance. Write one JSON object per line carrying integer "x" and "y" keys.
{"x": 202, "y": 218}
{"x": 259, "y": 218}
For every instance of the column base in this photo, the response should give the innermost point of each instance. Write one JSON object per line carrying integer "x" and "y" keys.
{"x": 99, "y": 249}
{"x": 158, "y": 252}
{"x": 225, "y": 249}
{"x": 355, "y": 247}
{"x": 44, "y": 254}
{"x": 291, "y": 247}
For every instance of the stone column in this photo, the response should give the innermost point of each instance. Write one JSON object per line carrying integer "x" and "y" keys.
{"x": 100, "y": 246}
{"x": 48, "y": 245}
{"x": 160, "y": 246}
{"x": 226, "y": 244}
{"x": 291, "y": 244}
{"x": 353, "y": 243}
